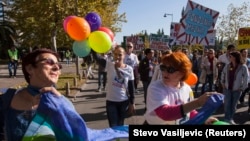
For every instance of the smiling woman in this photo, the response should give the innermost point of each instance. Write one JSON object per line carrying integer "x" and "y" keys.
{"x": 41, "y": 72}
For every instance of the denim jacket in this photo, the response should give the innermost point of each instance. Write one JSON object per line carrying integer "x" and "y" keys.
{"x": 240, "y": 77}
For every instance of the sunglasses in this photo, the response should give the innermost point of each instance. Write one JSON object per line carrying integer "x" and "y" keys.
{"x": 169, "y": 69}
{"x": 50, "y": 62}
{"x": 129, "y": 46}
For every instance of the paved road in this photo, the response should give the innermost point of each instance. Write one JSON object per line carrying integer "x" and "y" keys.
{"x": 91, "y": 104}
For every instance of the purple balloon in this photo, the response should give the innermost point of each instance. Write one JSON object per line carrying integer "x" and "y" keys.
{"x": 94, "y": 21}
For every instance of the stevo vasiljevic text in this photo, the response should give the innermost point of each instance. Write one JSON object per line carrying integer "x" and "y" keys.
{"x": 182, "y": 133}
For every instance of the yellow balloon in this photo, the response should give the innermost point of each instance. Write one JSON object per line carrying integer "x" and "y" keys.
{"x": 78, "y": 28}
{"x": 100, "y": 41}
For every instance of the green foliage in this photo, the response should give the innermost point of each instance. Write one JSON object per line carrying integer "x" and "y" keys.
{"x": 7, "y": 36}
{"x": 39, "y": 21}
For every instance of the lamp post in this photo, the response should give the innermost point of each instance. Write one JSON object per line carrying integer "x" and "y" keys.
{"x": 167, "y": 14}
{"x": 172, "y": 16}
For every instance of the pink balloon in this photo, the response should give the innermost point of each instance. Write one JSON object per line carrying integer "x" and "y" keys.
{"x": 65, "y": 22}
{"x": 108, "y": 31}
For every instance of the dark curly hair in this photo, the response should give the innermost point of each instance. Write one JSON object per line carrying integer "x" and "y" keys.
{"x": 237, "y": 56}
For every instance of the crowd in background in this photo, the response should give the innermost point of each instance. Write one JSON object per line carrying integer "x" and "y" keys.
{"x": 225, "y": 72}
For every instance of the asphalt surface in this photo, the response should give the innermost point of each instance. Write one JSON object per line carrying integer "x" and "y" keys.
{"x": 90, "y": 104}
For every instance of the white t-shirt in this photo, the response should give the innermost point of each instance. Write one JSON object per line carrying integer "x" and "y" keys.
{"x": 116, "y": 88}
{"x": 157, "y": 73}
{"x": 159, "y": 94}
{"x": 131, "y": 60}
{"x": 224, "y": 59}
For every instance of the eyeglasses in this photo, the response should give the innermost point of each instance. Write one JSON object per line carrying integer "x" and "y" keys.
{"x": 129, "y": 46}
{"x": 50, "y": 62}
{"x": 169, "y": 69}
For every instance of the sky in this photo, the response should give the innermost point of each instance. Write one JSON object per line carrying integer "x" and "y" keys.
{"x": 148, "y": 15}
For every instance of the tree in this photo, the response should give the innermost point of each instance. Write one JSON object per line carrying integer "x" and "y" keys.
{"x": 39, "y": 21}
{"x": 160, "y": 32}
{"x": 228, "y": 25}
{"x": 7, "y": 36}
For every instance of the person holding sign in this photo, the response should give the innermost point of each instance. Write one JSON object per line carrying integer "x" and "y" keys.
{"x": 170, "y": 99}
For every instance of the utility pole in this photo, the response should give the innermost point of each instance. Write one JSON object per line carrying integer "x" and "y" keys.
{"x": 172, "y": 17}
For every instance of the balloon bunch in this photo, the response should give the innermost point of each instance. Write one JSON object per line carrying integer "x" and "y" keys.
{"x": 88, "y": 34}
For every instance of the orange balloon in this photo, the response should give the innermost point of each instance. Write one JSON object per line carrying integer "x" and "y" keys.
{"x": 192, "y": 79}
{"x": 78, "y": 28}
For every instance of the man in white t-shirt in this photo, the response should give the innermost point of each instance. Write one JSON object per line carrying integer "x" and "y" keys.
{"x": 131, "y": 59}
{"x": 224, "y": 58}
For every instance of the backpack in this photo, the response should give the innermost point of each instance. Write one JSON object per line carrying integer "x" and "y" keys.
{"x": 5, "y": 100}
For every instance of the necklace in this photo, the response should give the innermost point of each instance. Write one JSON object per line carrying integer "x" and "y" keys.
{"x": 35, "y": 93}
{"x": 35, "y": 101}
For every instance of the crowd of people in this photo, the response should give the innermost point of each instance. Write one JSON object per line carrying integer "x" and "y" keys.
{"x": 168, "y": 98}
{"x": 217, "y": 72}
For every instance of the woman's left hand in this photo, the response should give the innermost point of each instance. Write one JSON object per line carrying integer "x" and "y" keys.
{"x": 210, "y": 120}
{"x": 131, "y": 109}
{"x": 50, "y": 89}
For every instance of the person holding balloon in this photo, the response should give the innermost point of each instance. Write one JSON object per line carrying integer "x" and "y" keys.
{"x": 170, "y": 99}
{"x": 120, "y": 87}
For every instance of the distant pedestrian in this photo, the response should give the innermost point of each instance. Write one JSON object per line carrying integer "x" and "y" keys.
{"x": 132, "y": 60}
{"x": 102, "y": 72}
{"x": 209, "y": 70}
{"x": 88, "y": 60}
{"x": 146, "y": 69}
{"x": 61, "y": 53}
{"x": 13, "y": 61}
{"x": 157, "y": 71}
{"x": 234, "y": 79}
{"x": 246, "y": 60}
{"x": 68, "y": 56}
